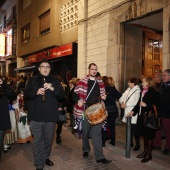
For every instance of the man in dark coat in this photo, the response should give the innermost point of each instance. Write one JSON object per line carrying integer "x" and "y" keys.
{"x": 43, "y": 92}
{"x": 165, "y": 107}
{"x": 6, "y": 93}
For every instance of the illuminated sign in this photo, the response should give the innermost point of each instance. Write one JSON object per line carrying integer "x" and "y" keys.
{"x": 9, "y": 43}
{"x": 2, "y": 44}
{"x": 56, "y": 52}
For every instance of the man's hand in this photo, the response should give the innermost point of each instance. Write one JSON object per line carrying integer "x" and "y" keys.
{"x": 80, "y": 103}
{"x": 41, "y": 91}
{"x": 103, "y": 97}
{"x": 48, "y": 86}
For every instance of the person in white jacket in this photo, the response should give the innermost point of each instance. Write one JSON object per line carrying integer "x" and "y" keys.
{"x": 128, "y": 100}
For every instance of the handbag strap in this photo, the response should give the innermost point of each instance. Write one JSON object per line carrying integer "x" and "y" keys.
{"x": 156, "y": 112}
{"x": 130, "y": 96}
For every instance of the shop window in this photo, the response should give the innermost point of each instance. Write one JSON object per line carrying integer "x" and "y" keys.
{"x": 45, "y": 22}
{"x": 26, "y": 34}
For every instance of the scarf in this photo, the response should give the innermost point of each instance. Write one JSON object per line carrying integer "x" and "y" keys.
{"x": 81, "y": 89}
{"x": 144, "y": 91}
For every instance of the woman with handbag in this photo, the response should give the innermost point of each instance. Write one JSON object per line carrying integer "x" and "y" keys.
{"x": 128, "y": 100}
{"x": 148, "y": 99}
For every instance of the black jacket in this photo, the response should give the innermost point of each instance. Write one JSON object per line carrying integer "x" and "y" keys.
{"x": 8, "y": 94}
{"x": 150, "y": 98}
{"x": 165, "y": 100}
{"x": 43, "y": 111}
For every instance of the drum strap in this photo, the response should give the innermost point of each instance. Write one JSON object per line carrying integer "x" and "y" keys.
{"x": 91, "y": 89}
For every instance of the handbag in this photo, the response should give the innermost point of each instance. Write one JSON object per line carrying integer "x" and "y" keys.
{"x": 62, "y": 116}
{"x": 151, "y": 119}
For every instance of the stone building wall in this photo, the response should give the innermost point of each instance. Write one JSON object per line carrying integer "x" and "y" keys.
{"x": 101, "y": 23}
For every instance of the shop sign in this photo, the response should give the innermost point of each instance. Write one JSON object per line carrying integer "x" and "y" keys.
{"x": 2, "y": 44}
{"x": 56, "y": 52}
{"x": 9, "y": 43}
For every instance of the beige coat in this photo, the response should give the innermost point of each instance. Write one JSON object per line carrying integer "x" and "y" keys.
{"x": 132, "y": 101}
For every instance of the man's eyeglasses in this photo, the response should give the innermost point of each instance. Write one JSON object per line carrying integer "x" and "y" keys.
{"x": 47, "y": 67}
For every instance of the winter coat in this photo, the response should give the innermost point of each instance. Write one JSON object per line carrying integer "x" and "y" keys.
{"x": 150, "y": 98}
{"x": 9, "y": 94}
{"x": 43, "y": 111}
{"x": 130, "y": 97}
{"x": 110, "y": 102}
{"x": 164, "y": 100}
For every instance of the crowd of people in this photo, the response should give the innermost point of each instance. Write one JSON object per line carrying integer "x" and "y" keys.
{"x": 33, "y": 105}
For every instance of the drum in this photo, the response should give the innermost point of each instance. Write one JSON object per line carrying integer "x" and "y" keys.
{"x": 96, "y": 114}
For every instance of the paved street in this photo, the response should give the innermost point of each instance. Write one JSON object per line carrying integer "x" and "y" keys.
{"x": 68, "y": 156}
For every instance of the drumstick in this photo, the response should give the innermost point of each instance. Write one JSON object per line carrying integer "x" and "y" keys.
{"x": 99, "y": 96}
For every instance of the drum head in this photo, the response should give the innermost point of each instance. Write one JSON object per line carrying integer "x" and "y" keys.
{"x": 93, "y": 108}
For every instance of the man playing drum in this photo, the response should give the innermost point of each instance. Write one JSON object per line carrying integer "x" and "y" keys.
{"x": 89, "y": 91}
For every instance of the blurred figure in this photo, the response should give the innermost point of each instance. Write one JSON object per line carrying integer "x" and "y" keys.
{"x": 111, "y": 107}
{"x": 158, "y": 139}
{"x": 62, "y": 119}
{"x": 6, "y": 93}
{"x": 11, "y": 136}
{"x": 165, "y": 107}
{"x": 70, "y": 102}
{"x": 148, "y": 98}
{"x": 128, "y": 100}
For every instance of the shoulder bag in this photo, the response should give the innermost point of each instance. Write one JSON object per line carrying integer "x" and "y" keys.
{"x": 151, "y": 119}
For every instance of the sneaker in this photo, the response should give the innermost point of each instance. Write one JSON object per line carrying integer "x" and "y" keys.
{"x": 75, "y": 127}
{"x": 85, "y": 154}
{"x": 104, "y": 161}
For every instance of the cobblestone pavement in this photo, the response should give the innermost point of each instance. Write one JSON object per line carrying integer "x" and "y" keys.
{"x": 68, "y": 156}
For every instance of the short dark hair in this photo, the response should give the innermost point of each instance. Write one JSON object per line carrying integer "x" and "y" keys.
{"x": 44, "y": 60}
{"x": 134, "y": 80}
{"x": 167, "y": 70}
{"x": 91, "y": 65}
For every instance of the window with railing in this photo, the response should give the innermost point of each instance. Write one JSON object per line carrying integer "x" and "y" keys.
{"x": 44, "y": 22}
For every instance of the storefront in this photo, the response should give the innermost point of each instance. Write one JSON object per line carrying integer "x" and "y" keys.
{"x": 64, "y": 59}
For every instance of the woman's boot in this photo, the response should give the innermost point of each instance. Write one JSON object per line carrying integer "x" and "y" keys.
{"x": 137, "y": 145}
{"x": 58, "y": 140}
{"x": 148, "y": 155}
{"x": 142, "y": 155}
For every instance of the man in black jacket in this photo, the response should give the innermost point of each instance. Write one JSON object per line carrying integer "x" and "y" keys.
{"x": 43, "y": 92}
{"x": 165, "y": 107}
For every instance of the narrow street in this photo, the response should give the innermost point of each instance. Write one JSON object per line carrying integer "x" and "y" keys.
{"x": 68, "y": 155}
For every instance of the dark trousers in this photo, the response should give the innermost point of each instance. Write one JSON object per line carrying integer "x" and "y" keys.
{"x": 111, "y": 124}
{"x": 134, "y": 133}
{"x": 96, "y": 138}
{"x": 2, "y": 134}
{"x": 59, "y": 128}
{"x": 43, "y": 133}
{"x": 166, "y": 127}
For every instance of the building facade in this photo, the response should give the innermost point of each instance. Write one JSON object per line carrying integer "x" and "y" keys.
{"x": 125, "y": 38}
{"x": 108, "y": 37}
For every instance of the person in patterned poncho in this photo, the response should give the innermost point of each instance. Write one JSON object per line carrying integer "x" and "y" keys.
{"x": 90, "y": 90}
